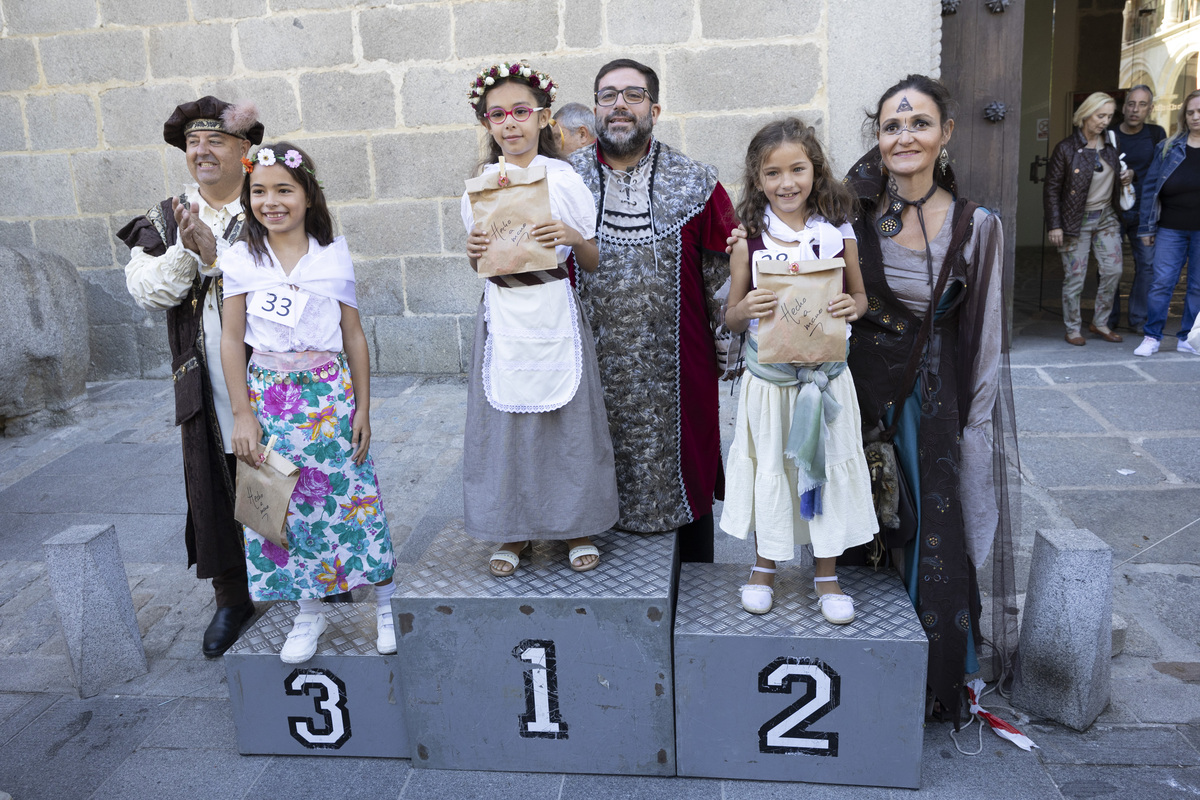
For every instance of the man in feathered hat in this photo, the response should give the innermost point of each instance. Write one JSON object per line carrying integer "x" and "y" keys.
{"x": 173, "y": 267}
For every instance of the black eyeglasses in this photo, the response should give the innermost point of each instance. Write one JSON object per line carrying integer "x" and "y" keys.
{"x": 633, "y": 95}
{"x": 1099, "y": 162}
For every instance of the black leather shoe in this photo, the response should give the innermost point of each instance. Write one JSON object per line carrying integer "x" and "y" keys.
{"x": 340, "y": 597}
{"x": 223, "y": 631}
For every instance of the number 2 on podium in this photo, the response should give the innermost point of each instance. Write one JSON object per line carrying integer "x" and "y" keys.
{"x": 787, "y": 731}
{"x": 541, "y": 719}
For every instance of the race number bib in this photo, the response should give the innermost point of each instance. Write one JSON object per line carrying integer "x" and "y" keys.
{"x": 282, "y": 304}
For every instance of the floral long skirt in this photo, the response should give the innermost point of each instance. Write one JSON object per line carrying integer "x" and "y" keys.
{"x": 336, "y": 530}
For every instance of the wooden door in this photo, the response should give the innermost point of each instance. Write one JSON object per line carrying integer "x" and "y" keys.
{"x": 982, "y": 42}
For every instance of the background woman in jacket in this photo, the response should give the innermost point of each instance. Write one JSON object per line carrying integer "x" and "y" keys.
{"x": 1081, "y": 198}
{"x": 1171, "y": 222}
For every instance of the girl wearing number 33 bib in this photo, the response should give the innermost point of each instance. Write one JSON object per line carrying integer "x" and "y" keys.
{"x": 289, "y": 295}
{"x": 796, "y": 472}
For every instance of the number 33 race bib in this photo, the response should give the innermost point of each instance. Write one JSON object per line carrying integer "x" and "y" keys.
{"x": 283, "y": 305}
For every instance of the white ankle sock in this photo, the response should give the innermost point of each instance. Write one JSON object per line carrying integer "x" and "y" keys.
{"x": 310, "y": 606}
{"x": 383, "y": 595}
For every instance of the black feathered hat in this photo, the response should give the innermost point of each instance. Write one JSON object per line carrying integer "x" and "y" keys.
{"x": 210, "y": 114}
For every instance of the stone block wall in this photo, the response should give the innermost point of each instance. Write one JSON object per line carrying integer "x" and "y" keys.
{"x": 376, "y": 92}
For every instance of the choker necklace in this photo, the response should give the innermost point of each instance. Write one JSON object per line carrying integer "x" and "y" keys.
{"x": 890, "y": 224}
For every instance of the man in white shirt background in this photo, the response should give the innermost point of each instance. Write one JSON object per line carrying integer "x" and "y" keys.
{"x": 173, "y": 267}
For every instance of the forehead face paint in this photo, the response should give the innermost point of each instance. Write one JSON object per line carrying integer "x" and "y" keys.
{"x": 904, "y": 104}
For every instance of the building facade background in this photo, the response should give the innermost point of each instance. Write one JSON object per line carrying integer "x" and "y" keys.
{"x": 376, "y": 92}
{"x": 1160, "y": 48}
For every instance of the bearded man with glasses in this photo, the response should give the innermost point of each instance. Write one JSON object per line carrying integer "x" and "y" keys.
{"x": 662, "y": 221}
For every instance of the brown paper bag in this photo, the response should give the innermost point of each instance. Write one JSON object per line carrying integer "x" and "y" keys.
{"x": 263, "y": 494}
{"x": 508, "y": 203}
{"x": 801, "y": 331}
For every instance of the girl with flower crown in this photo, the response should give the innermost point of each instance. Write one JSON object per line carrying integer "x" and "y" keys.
{"x": 537, "y": 458}
{"x": 289, "y": 295}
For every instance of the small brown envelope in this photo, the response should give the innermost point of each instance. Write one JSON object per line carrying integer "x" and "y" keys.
{"x": 263, "y": 495}
{"x": 801, "y": 331}
{"x": 508, "y": 204}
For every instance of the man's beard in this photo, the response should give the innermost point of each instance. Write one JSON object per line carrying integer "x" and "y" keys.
{"x": 628, "y": 143}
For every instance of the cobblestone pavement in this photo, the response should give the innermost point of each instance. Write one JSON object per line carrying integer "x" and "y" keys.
{"x": 1108, "y": 442}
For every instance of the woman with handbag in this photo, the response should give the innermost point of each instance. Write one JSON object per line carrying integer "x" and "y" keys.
{"x": 1082, "y": 199}
{"x": 1171, "y": 223}
{"x": 928, "y": 365}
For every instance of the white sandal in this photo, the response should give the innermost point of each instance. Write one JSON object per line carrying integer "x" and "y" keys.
{"x": 757, "y": 598}
{"x": 583, "y": 550}
{"x": 838, "y": 609}
{"x": 508, "y": 557}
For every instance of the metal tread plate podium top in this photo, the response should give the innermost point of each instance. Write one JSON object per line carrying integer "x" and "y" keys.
{"x": 350, "y": 631}
{"x": 456, "y": 565}
{"x": 547, "y": 670}
{"x": 344, "y": 701}
{"x": 787, "y": 696}
{"x": 711, "y": 605}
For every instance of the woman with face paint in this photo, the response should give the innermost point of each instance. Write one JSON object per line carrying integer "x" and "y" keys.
{"x": 929, "y": 365}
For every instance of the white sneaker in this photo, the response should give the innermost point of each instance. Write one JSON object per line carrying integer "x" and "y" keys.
{"x": 1184, "y": 347}
{"x": 301, "y": 643}
{"x": 1148, "y": 347}
{"x": 386, "y": 643}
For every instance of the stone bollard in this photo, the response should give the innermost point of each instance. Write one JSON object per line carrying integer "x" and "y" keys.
{"x": 95, "y": 608}
{"x": 1064, "y": 668}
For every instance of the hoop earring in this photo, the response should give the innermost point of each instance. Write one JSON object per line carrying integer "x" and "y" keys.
{"x": 943, "y": 161}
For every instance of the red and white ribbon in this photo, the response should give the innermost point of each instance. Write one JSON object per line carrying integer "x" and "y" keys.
{"x": 1001, "y": 728}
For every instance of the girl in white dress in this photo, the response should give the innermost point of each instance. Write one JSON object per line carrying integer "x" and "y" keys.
{"x": 794, "y": 208}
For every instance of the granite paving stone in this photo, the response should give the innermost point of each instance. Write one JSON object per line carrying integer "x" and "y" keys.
{"x": 1130, "y": 522}
{"x": 1155, "y": 698}
{"x": 1127, "y": 406}
{"x": 333, "y": 778}
{"x": 1056, "y": 461}
{"x": 1119, "y": 783}
{"x": 152, "y": 773}
{"x": 29, "y": 707}
{"x": 1179, "y": 454}
{"x": 1161, "y": 745}
{"x": 1050, "y": 410}
{"x": 72, "y": 747}
{"x": 201, "y": 723}
{"x": 1000, "y": 769}
{"x": 434, "y": 784}
{"x": 1094, "y": 373}
{"x": 585, "y": 787}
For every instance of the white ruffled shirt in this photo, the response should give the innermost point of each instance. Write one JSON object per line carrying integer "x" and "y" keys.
{"x": 324, "y": 274}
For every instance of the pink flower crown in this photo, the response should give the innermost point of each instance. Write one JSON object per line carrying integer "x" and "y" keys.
{"x": 519, "y": 69}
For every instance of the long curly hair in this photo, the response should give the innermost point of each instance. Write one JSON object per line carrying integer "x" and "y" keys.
{"x": 828, "y": 197}
{"x": 317, "y": 221}
{"x": 547, "y": 139}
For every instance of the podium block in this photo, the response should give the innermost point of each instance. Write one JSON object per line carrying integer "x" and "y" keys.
{"x": 544, "y": 671}
{"x": 344, "y": 701}
{"x": 786, "y": 696}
